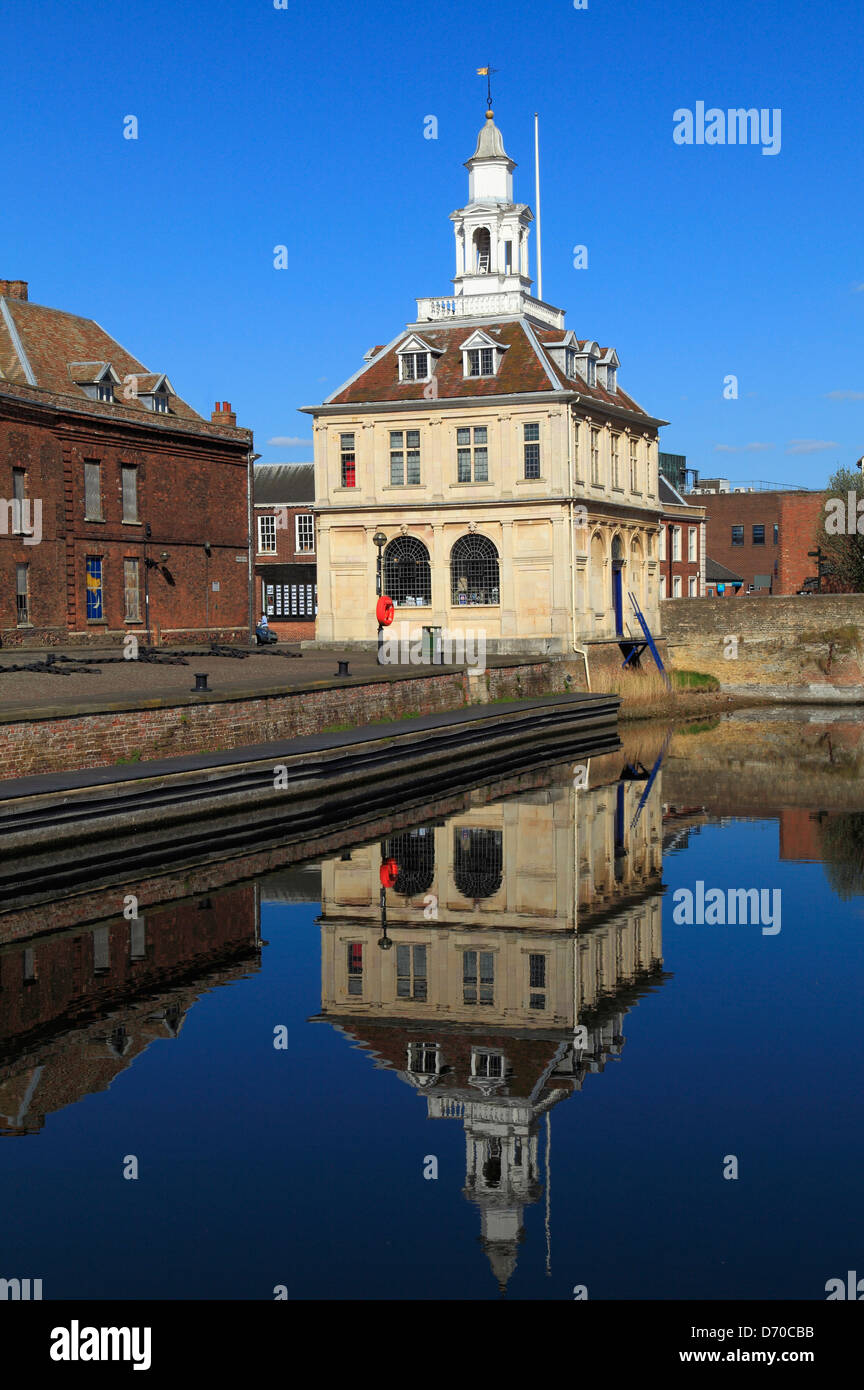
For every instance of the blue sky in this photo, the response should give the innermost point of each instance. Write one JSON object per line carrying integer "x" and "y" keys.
{"x": 261, "y": 127}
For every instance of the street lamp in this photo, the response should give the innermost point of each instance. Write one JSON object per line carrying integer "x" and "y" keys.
{"x": 380, "y": 540}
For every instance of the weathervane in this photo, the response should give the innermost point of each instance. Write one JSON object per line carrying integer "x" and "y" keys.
{"x": 487, "y": 73}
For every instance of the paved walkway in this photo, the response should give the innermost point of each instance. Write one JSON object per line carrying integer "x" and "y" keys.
{"x": 101, "y": 679}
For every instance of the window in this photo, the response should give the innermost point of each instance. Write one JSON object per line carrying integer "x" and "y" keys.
{"x": 19, "y": 480}
{"x": 590, "y": 371}
{"x": 129, "y": 487}
{"x": 691, "y": 543}
{"x": 93, "y": 577}
{"x": 537, "y": 981}
{"x": 410, "y": 972}
{"x": 595, "y": 457}
{"x": 758, "y": 535}
{"x": 105, "y": 390}
{"x": 662, "y": 547}
{"x": 634, "y": 465}
{"x": 532, "y": 450}
{"x": 266, "y": 535}
{"x": 414, "y": 852}
{"x": 472, "y": 455}
{"x": 616, "y": 462}
{"x": 776, "y": 533}
{"x": 92, "y": 491}
{"x": 304, "y": 533}
{"x": 481, "y": 362}
{"x": 404, "y": 457}
{"x": 131, "y": 590}
{"x": 355, "y": 967}
{"x": 676, "y": 586}
{"x": 489, "y": 1065}
{"x": 415, "y": 366}
{"x": 346, "y": 448}
{"x": 691, "y": 586}
{"x": 295, "y": 599}
{"x": 478, "y": 859}
{"x": 22, "y": 594}
{"x": 159, "y": 402}
{"x": 612, "y": 380}
{"x": 424, "y": 1059}
{"x": 407, "y": 573}
{"x": 676, "y": 542}
{"x": 570, "y": 362}
{"x": 474, "y": 572}
{"x": 29, "y": 965}
{"x": 577, "y": 447}
{"x": 478, "y": 977}
{"x": 662, "y": 586}
{"x": 737, "y": 535}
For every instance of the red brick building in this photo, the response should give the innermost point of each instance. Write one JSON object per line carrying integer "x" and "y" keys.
{"x": 121, "y": 508}
{"x": 763, "y": 535}
{"x": 285, "y": 548}
{"x": 681, "y": 546}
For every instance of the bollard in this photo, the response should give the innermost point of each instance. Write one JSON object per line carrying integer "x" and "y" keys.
{"x": 343, "y": 669}
{"x": 200, "y": 682}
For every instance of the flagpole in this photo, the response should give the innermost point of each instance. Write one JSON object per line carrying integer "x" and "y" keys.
{"x": 537, "y": 204}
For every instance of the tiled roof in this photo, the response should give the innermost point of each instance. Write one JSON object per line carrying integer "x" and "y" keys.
{"x": 57, "y": 352}
{"x": 717, "y": 573}
{"x": 283, "y": 484}
{"x": 671, "y": 495}
{"x": 526, "y": 366}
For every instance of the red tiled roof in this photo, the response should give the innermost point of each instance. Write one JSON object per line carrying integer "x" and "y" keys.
{"x": 53, "y": 340}
{"x": 523, "y": 369}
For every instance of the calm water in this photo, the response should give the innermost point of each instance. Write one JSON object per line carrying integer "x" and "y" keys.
{"x": 576, "y": 1065}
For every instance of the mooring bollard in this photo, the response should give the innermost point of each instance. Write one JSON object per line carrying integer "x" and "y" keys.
{"x": 200, "y": 681}
{"x": 343, "y": 669}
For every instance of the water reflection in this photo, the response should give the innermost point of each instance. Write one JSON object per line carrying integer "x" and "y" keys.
{"x": 489, "y": 962}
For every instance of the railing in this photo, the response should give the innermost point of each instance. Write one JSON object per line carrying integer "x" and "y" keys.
{"x": 483, "y": 305}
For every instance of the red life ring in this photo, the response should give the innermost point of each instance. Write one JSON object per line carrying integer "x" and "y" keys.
{"x": 384, "y": 610}
{"x": 388, "y": 873}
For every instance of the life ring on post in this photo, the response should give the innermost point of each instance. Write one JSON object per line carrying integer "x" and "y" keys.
{"x": 384, "y": 610}
{"x": 388, "y": 873}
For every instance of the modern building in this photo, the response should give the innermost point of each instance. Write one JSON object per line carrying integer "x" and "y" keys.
{"x": 761, "y": 533}
{"x": 123, "y": 510}
{"x": 681, "y": 545}
{"x": 285, "y": 560}
{"x": 511, "y": 478}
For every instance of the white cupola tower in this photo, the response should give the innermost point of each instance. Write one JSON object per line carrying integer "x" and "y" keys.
{"x": 491, "y": 230}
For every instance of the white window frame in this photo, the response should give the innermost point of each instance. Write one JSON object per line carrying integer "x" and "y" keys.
{"x": 691, "y": 587}
{"x": 662, "y": 545}
{"x": 691, "y": 544}
{"x": 271, "y": 534}
{"x": 662, "y": 586}
{"x": 676, "y": 586}
{"x": 412, "y": 374}
{"x": 676, "y": 543}
{"x": 300, "y": 548}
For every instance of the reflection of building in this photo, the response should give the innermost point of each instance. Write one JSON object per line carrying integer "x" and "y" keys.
{"x": 515, "y": 938}
{"x": 77, "y": 1007}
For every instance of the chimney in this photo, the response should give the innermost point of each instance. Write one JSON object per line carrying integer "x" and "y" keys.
{"x": 13, "y": 289}
{"x": 223, "y": 415}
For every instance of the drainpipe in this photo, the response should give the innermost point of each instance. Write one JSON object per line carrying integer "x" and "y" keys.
{"x": 580, "y": 651}
{"x": 250, "y": 518}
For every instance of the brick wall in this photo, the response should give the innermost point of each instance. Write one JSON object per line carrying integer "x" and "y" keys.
{"x": 102, "y": 740}
{"x": 811, "y": 644}
{"x": 192, "y": 488}
{"x": 796, "y": 515}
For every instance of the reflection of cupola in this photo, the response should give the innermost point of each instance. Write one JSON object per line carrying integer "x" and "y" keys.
{"x": 501, "y": 1179}
{"x": 491, "y": 230}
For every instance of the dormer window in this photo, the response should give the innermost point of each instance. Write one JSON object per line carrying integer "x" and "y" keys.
{"x": 591, "y": 372}
{"x": 481, "y": 362}
{"x": 612, "y": 379}
{"x": 570, "y": 363}
{"x": 415, "y": 366}
{"x": 105, "y": 390}
{"x": 159, "y": 402}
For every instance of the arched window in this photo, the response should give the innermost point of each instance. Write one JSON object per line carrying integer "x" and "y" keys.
{"x": 407, "y": 575}
{"x": 474, "y": 571}
{"x": 414, "y": 852}
{"x": 482, "y": 250}
{"x": 478, "y": 860}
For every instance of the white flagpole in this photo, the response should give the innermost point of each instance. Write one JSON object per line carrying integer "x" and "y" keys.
{"x": 537, "y": 203}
